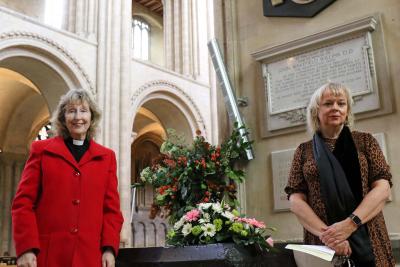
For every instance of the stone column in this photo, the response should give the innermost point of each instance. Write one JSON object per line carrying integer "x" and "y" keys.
{"x": 71, "y": 15}
{"x": 177, "y": 24}
{"x": 80, "y": 6}
{"x": 18, "y": 167}
{"x": 169, "y": 35}
{"x": 186, "y": 38}
{"x": 125, "y": 127}
{"x": 8, "y": 189}
{"x": 82, "y": 16}
{"x": 91, "y": 20}
{"x": 195, "y": 39}
{"x": 180, "y": 33}
{"x": 2, "y": 201}
{"x": 113, "y": 94}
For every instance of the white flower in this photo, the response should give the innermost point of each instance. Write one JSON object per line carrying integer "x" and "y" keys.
{"x": 205, "y": 219}
{"x": 187, "y": 229}
{"x": 229, "y": 215}
{"x": 204, "y": 206}
{"x": 146, "y": 175}
{"x": 179, "y": 223}
{"x": 208, "y": 229}
{"x": 217, "y": 207}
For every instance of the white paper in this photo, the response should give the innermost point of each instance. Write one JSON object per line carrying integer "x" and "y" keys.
{"x": 322, "y": 252}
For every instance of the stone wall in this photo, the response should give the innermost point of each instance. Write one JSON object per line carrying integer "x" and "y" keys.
{"x": 254, "y": 31}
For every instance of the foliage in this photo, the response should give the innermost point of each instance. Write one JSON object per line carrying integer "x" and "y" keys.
{"x": 215, "y": 223}
{"x": 184, "y": 176}
{"x": 196, "y": 187}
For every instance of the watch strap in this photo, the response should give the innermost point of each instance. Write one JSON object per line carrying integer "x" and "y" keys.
{"x": 356, "y": 220}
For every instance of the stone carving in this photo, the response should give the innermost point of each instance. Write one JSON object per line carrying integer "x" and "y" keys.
{"x": 52, "y": 43}
{"x": 294, "y": 116}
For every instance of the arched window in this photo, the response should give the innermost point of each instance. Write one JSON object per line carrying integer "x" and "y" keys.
{"x": 54, "y": 13}
{"x": 140, "y": 38}
{"x": 44, "y": 132}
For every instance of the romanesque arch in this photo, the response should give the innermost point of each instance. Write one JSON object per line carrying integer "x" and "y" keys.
{"x": 169, "y": 94}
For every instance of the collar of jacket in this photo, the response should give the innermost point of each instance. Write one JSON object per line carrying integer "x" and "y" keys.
{"x": 58, "y": 147}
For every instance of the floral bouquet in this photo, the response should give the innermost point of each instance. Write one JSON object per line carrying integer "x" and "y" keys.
{"x": 184, "y": 176}
{"x": 216, "y": 223}
{"x": 195, "y": 186}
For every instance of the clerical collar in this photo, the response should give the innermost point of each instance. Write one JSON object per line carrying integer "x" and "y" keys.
{"x": 78, "y": 142}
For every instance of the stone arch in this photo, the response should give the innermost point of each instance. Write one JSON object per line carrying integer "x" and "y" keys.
{"x": 30, "y": 53}
{"x": 170, "y": 93}
{"x": 47, "y": 65}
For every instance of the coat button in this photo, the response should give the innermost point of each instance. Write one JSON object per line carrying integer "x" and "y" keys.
{"x": 74, "y": 230}
{"x": 77, "y": 173}
{"x": 76, "y": 201}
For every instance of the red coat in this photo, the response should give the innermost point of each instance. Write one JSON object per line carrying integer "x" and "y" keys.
{"x": 67, "y": 211}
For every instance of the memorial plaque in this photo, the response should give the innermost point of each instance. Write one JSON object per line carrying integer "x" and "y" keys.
{"x": 352, "y": 53}
{"x": 290, "y": 82}
{"x": 281, "y": 163}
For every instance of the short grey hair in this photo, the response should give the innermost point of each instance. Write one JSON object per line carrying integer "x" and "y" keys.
{"x": 75, "y": 96}
{"x": 313, "y": 124}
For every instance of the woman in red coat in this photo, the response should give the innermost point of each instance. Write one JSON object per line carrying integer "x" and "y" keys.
{"x": 66, "y": 211}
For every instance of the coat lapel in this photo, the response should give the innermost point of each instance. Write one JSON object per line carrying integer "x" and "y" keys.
{"x": 59, "y": 148}
{"x": 94, "y": 151}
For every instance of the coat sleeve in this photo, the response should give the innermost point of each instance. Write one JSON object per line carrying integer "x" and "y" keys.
{"x": 296, "y": 181}
{"x": 25, "y": 230}
{"x": 378, "y": 168}
{"x": 112, "y": 217}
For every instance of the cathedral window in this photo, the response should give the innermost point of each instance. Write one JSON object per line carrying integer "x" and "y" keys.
{"x": 44, "y": 132}
{"x": 54, "y": 13}
{"x": 140, "y": 38}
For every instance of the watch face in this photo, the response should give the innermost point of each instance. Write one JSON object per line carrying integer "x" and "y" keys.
{"x": 356, "y": 219}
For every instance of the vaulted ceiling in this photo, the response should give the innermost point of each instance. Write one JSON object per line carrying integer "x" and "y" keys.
{"x": 153, "y": 5}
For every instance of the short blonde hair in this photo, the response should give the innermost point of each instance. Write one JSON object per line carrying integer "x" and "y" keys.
{"x": 313, "y": 124}
{"x": 75, "y": 96}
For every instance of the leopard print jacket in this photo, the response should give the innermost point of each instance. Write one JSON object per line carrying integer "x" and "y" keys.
{"x": 304, "y": 178}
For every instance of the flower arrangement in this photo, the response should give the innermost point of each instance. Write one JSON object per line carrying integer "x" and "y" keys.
{"x": 215, "y": 223}
{"x": 184, "y": 176}
{"x": 195, "y": 186}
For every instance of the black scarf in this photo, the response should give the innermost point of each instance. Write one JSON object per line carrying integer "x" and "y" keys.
{"x": 341, "y": 190}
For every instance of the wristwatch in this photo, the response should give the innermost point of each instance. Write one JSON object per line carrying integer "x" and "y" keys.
{"x": 356, "y": 220}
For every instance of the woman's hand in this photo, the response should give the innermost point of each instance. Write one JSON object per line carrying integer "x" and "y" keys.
{"x": 342, "y": 249}
{"x": 108, "y": 258}
{"x": 28, "y": 259}
{"x": 337, "y": 232}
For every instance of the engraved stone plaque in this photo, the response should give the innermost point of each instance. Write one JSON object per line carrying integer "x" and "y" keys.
{"x": 380, "y": 137}
{"x": 290, "y": 82}
{"x": 352, "y": 53}
{"x": 281, "y": 163}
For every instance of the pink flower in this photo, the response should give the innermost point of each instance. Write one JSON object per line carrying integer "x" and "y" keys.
{"x": 253, "y": 222}
{"x": 192, "y": 215}
{"x": 270, "y": 241}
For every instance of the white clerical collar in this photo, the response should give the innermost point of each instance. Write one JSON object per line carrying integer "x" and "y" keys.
{"x": 78, "y": 142}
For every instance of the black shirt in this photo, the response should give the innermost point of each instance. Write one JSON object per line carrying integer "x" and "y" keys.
{"x": 76, "y": 150}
